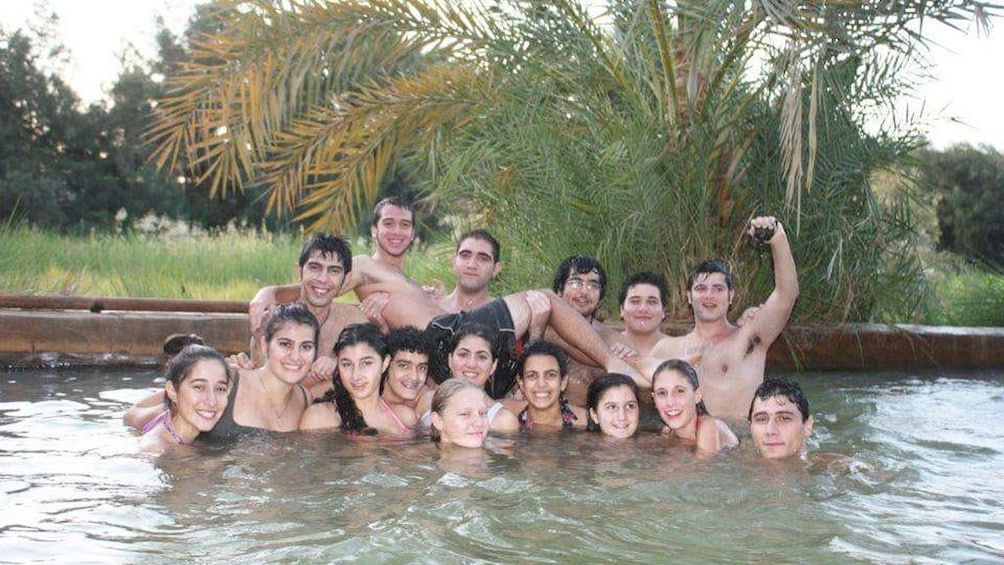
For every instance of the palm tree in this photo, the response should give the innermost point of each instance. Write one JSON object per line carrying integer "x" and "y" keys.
{"x": 644, "y": 132}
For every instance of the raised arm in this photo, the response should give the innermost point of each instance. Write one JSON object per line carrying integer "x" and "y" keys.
{"x": 773, "y": 315}
{"x": 266, "y": 299}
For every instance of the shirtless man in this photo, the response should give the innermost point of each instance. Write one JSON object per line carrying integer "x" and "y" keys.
{"x": 407, "y": 304}
{"x": 325, "y": 262}
{"x": 643, "y": 299}
{"x": 581, "y": 281}
{"x": 732, "y": 358}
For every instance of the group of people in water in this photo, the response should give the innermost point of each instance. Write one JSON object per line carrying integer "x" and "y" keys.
{"x": 412, "y": 359}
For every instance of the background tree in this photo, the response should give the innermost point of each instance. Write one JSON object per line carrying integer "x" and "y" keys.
{"x": 644, "y": 132}
{"x": 966, "y": 184}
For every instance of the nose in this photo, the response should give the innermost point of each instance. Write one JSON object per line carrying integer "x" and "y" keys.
{"x": 211, "y": 398}
{"x": 771, "y": 427}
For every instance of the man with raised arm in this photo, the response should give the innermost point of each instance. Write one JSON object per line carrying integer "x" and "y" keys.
{"x": 733, "y": 358}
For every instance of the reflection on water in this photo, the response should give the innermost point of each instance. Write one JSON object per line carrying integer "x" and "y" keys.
{"x": 73, "y": 487}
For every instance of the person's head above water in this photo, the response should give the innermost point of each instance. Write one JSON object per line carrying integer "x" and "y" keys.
{"x": 677, "y": 393}
{"x": 542, "y": 374}
{"x": 408, "y": 349}
{"x": 329, "y": 247}
{"x": 393, "y": 227}
{"x": 582, "y": 282}
{"x": 459, "y": 414}
{"x": 612, "y": 401}
{"x": 779, "y": 418}
{"x": 472, "y": 353}
{"x": 361, "y": 354}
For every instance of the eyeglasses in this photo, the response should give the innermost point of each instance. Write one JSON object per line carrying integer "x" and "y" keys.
{"x": 579, "y": 283}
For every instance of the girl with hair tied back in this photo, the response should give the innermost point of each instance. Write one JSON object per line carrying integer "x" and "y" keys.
{"x": 195, "y": 394}
{"x": 677, "y": 395}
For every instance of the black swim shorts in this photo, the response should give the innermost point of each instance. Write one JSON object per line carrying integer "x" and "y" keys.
{"x": 495, "y": 315}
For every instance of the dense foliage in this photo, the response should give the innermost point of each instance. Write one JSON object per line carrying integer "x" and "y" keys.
{"x": 644, "y": 132}
{"x": 966, "y": 185}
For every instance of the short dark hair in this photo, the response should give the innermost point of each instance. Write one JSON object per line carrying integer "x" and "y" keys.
{"x": 483, "y": 235}
{"x": 491, "y": 335}
{"x": 580, "y": 264}
{"x": 542, "y": 348}
{"x": 645, "y": 277}
{"x": 781, "y": 386}
{"x": 390, "y": 201}
{"x": 327, "y": 244}
{"x": 708, "y": 267}
{"x": 408, "y": 338}
{"x": 601, "y": 385}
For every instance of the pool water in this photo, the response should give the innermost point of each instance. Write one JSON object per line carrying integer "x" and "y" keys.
{"x": 930, "y": 487}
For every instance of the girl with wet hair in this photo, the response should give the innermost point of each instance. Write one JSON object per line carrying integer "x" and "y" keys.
{"x": 195, "y": 394}
{"x": 354, "y": 403}
{"x": 459, "y": 414}
{"x": 612, "y": 401}
{"x": 543, "y": 377}
{"x": 678, "y": 400}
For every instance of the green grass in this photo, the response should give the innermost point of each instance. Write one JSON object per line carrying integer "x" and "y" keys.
{"x": 234, "y": 264}
{"x": 967, "y": 297}
{"x": 169, "y": 263}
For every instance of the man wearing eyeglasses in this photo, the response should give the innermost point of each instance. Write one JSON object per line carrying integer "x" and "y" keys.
{"x": 581, "y": 282}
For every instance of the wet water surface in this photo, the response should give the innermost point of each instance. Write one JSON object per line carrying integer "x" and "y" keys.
{"x": 928, "y": 489}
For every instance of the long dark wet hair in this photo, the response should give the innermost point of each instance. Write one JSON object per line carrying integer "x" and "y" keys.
{"x": 687, "y": 370}
{"x": 180, "y": 366}
{"x": 352, "y": 418}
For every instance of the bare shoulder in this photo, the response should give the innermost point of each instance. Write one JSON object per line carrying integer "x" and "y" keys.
{"x": 320, "y": 416}
{"x": 505, "y": 421}
{"x": 405, "y": 414}
{"x": 670, "y": 347}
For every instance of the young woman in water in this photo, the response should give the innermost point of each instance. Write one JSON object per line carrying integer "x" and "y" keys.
{"x": 677, "y": 395}
{"x": 459, "y": 414}
{"x": 354, "y": 403}
{"x": 271, "y": 396}
{"x": 195, "y": 393}
{"x": 542, "y": 376}
{"x": 472, "y": 358}
{"x": 612, "y": 401}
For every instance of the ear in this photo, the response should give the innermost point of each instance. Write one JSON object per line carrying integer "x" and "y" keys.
{"x": 698, "y": 395}
{"x": 386, "y": 363}
{"x": 807, "y": 430}
{"x": 346, "y": 282}
{"x": 495, "y": 365}
{"x": 732, "y": 294}
{"x": 495, "y": 271}
{"x": 564, "y": 383}
{"x": 593, "y": 416}
{"x": 689, "y": 301}
{"x": 373, "y": 231}
{"x": 171, "y": 391}
{"x": 437, "y": 422}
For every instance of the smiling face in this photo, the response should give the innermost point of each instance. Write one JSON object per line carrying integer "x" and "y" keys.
{"x": 321, "y": 278}
{"x": 617, "y": 412}
{"x": 642, "y": 310}
{"x": 394, "y": 232}
{"x": 360, "y": 368}
{"x": 200, "y": 398}
{"x": 542, "y": 382}
{"x": 710, "y": 297}
{"x": 675, "y": 399}
{"x": 291, "y": 351}
{"x": 472, "y": 360}
{"x": 463, "y": 420}
{"x": 406, "y": 376}
{"x": 474, "y": 264}
{"x": 777, "y": 428}
{"x": 582, "y": 292}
